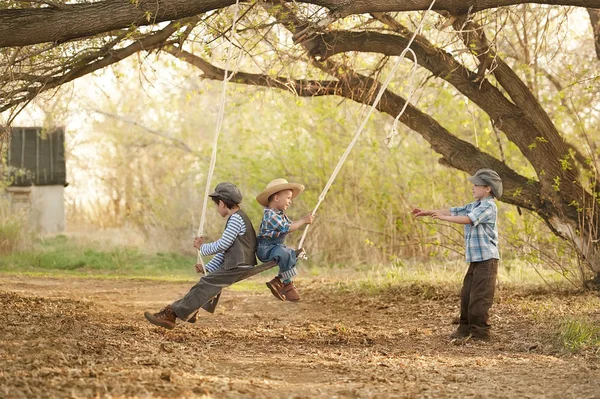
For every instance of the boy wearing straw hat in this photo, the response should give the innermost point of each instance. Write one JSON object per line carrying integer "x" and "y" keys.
{"x": 234, "y": 258}
{"x": 481, "y": 251}
{"x": 274, "y": 227}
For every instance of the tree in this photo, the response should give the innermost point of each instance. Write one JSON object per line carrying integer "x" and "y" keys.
{"x": 332, "y": 47}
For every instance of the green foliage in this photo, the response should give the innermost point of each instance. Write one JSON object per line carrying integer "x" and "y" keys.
{"x": 577, "y": 334}
{"x": 14, "y": 232}
{"x": 153, "y": 185}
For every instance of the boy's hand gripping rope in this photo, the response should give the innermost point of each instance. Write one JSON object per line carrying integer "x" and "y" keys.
{"x": 366, "y": 120}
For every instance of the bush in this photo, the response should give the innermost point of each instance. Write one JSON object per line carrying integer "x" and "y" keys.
{"x": 576, "y": 335}
{"x": 14, "y": 233}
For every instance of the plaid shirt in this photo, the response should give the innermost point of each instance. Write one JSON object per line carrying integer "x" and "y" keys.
{"x": 481, "y": 236}
{"x": 273, "y": 224}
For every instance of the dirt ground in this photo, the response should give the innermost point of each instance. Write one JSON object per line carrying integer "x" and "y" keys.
{"x": 88, "y": 338}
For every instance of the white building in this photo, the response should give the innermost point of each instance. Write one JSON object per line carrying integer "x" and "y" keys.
{"x": 37, "y": 177}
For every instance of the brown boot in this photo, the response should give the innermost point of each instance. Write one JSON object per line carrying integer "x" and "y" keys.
{"x": 290, "y": 293}
{"x": 461, "y": 332}
{"x": 165, "y": 318}
{"x": 193, "y": 318}
{"x": 480, "y": 334}
{"x": 276, "y": 286}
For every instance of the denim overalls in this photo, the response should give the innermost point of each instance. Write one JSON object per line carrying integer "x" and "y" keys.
{"x": 273, "y": 249}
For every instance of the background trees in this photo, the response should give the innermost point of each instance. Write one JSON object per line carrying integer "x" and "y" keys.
{"x": 512, "y": 88}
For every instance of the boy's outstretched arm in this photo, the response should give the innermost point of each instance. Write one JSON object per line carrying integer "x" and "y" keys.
{"x": 450, "y": 218}
{"x": 308, "y": 219}
{"x": 420, "y": 212}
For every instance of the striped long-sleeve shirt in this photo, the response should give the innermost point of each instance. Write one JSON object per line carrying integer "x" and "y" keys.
{"x": 235, "y": 227}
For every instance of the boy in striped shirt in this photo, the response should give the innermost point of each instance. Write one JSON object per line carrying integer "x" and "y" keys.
{"x": 274, "y": 227}
{"x": 234, "y": 255}
{"x": 481, "y": 252}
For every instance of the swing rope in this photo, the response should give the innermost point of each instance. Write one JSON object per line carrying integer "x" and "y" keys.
{"x": 220, "y": 118}
{"x": 368, "y": 116}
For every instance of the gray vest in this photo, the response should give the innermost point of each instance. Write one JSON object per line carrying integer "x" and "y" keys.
{"x": 243, "y": 250}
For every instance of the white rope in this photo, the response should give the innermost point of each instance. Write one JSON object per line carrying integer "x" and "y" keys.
{"x": 389, "y": 140}
{"x": 221, "y": 116}
{"x": 366, "y": 120}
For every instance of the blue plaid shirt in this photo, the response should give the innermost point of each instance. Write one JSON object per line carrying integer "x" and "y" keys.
{"x": 273, "y": 224}
{"x": 481, "y": 236}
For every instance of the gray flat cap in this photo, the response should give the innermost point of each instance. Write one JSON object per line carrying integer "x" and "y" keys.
{"x": 488, "y": 177}
{"x": 228, "y": 191}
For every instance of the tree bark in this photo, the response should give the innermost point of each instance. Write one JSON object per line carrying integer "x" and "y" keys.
{"x": 536, "y": 145}
{"x": 595, "y": 21}
{"x": 27, "y": 26}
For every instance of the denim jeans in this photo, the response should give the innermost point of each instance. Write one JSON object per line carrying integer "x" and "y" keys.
{"x": 273, "y": 249}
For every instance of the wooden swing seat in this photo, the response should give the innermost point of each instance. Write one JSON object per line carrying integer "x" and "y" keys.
{"x": 257, "y": 270}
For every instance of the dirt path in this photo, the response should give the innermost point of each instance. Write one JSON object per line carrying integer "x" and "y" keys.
{"x": 88, "y": 338}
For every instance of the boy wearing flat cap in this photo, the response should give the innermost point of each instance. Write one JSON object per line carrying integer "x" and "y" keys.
{"x": 481, "y": 251}
{"x": 234, "y": 256}
{"x": 274, "y": 227}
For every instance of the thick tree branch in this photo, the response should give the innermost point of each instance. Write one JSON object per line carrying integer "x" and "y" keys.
{"x": 595, "y": 21}
{"x": 21, "y": 27}
{"x": 476, "y": 41}
{"x": 505, "y": 114}
{"x": 304, "y": 88}
{"x": 548, "y": 142}
{"x": 27, "y": 26}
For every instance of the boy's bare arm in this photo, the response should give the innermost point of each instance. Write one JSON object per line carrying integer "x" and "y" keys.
{"x": 308, "y": 219}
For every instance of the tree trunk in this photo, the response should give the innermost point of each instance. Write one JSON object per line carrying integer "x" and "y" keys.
{"x": 595, "y": 21}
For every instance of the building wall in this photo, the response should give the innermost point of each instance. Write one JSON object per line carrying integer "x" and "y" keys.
{"x": 45, "y": 206}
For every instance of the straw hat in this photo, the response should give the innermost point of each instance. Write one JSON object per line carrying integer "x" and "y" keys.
{"x": 276, "y": 186}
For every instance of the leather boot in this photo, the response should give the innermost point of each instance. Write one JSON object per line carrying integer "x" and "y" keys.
{"x": 461, "y": 332}
{"x": 276, "y": 286}
{"x": 290, "y": 293}
{"x": 193, "y": 318}
{"x": 164, "y": 318}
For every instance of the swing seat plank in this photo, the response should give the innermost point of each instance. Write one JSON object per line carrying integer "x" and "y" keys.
{"x": 211, "y": 305}
{"x": 257, "y": 270}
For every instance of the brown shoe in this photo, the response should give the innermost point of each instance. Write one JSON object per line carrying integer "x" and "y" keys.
{"x": 461, "y": 332}
{"x": 193, "y": 319}
{"x": 481, "y": 334}
{"x": 165, "y": 318}
{"x": 276, "y": 286}
{"x": 290, "y": 293}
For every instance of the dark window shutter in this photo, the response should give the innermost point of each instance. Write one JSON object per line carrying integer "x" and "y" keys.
{"x": 35, "y": 157}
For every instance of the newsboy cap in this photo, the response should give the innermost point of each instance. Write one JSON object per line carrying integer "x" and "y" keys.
{"x": 488, "y": 177}
{"x": 228, "y": 191}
